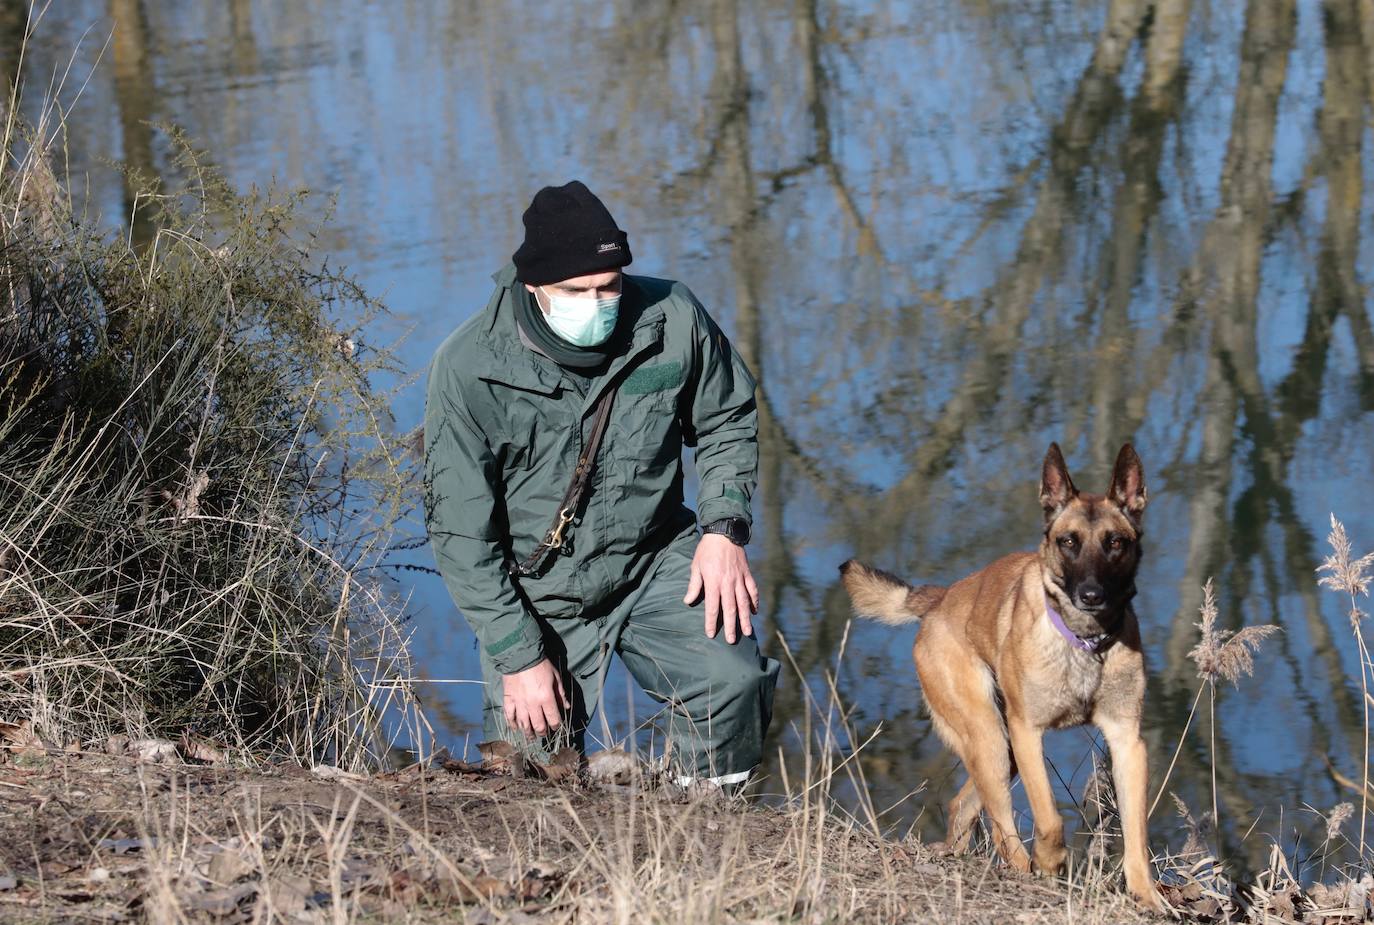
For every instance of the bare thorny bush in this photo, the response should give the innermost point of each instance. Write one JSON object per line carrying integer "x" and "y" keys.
{"x": 198, "y": 477}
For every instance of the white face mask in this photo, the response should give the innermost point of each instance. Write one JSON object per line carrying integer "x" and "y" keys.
{"x": 581, "y": 321}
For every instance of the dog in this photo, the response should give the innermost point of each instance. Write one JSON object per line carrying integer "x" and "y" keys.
{"x": 1035, "y": 641}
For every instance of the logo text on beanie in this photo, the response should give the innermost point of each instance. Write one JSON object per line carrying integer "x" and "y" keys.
{"x": 607, "y": 247}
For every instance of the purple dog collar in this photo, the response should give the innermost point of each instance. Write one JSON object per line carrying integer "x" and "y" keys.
{"x": 1092, "y": 644}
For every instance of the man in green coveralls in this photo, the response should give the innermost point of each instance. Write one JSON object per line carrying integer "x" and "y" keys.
{"x": 511, "y": 401}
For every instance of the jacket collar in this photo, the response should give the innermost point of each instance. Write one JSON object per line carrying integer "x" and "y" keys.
{"x": 506, "y": 360}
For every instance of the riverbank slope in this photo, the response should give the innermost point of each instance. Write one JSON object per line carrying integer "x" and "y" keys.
{"x": 95, "y": 837}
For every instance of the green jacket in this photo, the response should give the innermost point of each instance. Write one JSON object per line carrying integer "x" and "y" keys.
{"x": 504, "y": 426}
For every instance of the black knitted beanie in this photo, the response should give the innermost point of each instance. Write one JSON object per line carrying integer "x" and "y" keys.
{"x": 568, "y": 232}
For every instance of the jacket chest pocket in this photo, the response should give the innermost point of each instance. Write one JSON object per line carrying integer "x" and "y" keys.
{"x": 645, "y": 429}
{"x": 529, "y": 438}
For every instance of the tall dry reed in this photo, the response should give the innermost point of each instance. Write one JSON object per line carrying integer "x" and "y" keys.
{"x": 1352, "y": 577}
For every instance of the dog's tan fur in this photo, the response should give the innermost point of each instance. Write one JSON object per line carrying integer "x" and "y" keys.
{"x": 997, "y": 674}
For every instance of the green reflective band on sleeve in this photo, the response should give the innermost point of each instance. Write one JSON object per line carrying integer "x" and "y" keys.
{"x": 653, "y": 378}
{"x": 501, "y": 645}
{"x": 734, "y": 494}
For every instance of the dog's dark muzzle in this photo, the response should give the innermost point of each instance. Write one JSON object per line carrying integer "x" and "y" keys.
{"x": 1089, "y": 597}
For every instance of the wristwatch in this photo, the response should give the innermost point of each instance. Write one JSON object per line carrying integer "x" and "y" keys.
{"x": 734, "y": 529}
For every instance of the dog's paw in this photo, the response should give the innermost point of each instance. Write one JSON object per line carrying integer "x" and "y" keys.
{"x": 1150, "y": 898}
{"x": 1051, "y": 860}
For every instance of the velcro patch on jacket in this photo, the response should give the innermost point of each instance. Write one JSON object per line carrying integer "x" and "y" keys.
{"x": 504, "y": 643}
{"x": 653, "y": 378}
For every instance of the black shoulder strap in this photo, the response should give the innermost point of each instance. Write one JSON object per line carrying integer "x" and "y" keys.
{"x": 557, "y": 537}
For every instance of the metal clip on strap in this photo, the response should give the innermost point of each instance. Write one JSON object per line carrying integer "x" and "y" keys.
{"x": 556, "y": 540}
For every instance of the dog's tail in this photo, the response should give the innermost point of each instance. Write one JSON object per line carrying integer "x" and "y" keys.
{"x": 882, "y": 596}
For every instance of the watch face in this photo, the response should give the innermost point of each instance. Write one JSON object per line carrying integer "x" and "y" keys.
{"x": 735, "y": 529}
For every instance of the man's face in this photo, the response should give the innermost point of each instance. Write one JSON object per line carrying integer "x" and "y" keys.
{"x": 591, "y": 286}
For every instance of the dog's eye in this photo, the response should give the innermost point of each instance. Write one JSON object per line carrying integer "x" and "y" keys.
{"x": 1068, "y": 541}
{"x": 1116, "y": 544}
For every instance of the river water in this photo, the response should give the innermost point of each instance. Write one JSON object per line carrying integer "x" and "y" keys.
{"x": 943, "y": 234}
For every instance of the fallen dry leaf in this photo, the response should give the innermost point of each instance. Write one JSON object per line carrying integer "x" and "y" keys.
{"x": 564, "y": 765}
{"x": 478, "y": 888}
{"x": 329, "y": 772}
{"x": 1194, "y": 900}
{"x": 1333, "y": 903}
{"x": 494, "y": 753}
{"x": 360, "y": 873}
{"x": 536, "y": 884}
{"x": 458, "y": 766}
{"x": 198, "y": 748}
{"x": 220, "y": 902}
{"x": 287, "y": 894}
{"x": 22, "y": 739}
{"x": 154, "y": 751}
{"x": 401, "y": 885}
{"x": 1205, "y": 908}
{"x": 501, "y": 757}
{"x": 613, "y": 765}
{"x": 1285, "y": 902}
{"x": 125, "y": 845}
{"x": 71, "y": 892}
{"x": 227, "y": 866}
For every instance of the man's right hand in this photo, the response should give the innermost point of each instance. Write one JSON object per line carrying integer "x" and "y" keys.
{"x": 533, "y": 698}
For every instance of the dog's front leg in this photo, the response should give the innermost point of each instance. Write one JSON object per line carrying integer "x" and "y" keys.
{"x": 1130, "y": 776}
{"x": 1027, "y": 742}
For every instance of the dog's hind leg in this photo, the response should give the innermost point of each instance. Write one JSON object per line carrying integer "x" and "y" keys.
{"x": 964, "y": 810}
{"x": 989, "y": 766}
{"x": 963, "y": 700}
{"x": 966, "y": 806}
{"x": 963, "y": 813}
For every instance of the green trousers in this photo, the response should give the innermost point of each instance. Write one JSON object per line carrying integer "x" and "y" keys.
{"x": 720, "y": 695}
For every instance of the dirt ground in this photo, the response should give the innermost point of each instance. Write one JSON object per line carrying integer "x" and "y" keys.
{"x": 94, "y": 837}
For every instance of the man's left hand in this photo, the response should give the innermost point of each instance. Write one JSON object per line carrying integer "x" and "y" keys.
{"x": 721, "y": 570}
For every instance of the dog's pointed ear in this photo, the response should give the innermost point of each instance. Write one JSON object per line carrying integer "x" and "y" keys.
{"x": 1128, "y": 484}
{"x": 1056, "y": 487}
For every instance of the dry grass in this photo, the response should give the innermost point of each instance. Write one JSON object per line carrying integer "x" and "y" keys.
{"x": 198, "y": 481}
{"x": 103, "y": 837}
{"x": 107, "y": 837}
